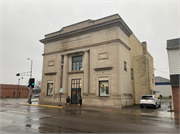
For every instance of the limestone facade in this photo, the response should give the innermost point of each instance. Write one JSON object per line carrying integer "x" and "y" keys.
{"x": 116, "y": 68}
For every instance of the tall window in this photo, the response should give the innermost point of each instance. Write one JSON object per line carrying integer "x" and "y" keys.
{"x": 131, "y": 73}
{"x": 14, "y": 94}
{"x": 49, "y": 89}
{"x": 77, "y": 63}
{"x": 125, "y": 66}
{"x": 103, "y": 88}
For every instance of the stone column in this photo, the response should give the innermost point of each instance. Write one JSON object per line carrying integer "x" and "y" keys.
{"x": 86, "y": 72}
{"x": 65, "y": 74}
{"x": 58, "y": 75}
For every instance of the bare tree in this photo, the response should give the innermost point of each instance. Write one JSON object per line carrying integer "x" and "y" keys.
{"x": 38, "y": 84}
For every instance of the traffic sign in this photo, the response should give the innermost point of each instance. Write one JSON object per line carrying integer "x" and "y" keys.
{"x": 61, "y": 90}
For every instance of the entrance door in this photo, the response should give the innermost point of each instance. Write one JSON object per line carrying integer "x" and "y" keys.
{"x": 75, "y": 91}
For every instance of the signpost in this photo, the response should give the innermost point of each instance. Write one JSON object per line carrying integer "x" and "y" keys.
{"x": 60, "y": 91}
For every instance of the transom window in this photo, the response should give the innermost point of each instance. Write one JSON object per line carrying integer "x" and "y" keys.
{"x": 77, "y": 63}
{"x": 76, "y": 83}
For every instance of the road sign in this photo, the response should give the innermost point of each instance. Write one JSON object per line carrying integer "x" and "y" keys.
{"x": 61, "y": 90}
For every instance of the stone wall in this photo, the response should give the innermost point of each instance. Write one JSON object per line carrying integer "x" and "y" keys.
{"x": 141, "y": 77}
{"x": 141, "y": 63}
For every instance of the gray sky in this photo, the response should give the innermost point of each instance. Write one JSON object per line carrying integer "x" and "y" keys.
{"x": 24, "y": 23}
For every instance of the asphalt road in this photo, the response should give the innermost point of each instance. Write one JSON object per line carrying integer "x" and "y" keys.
{"x": 15, "y": 118}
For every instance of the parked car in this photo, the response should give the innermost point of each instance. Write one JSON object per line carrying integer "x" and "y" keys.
{"x": 37, "y": 95}
{"x": 150, "y": 100}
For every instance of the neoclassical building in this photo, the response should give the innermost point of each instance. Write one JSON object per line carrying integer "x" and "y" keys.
{"x": 99, "y": 60}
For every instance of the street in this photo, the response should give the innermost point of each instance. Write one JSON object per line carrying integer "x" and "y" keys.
{"x": 16, "y": 118}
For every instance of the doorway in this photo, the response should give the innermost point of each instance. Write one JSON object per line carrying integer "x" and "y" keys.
{"x": 76, "y": 91}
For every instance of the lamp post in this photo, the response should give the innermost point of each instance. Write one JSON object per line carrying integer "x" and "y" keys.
{"x": 30, "y": 77}
{"x": 31, "y": 67}
{"x": 62, "y": 63}
{"x": 18, "y": 86}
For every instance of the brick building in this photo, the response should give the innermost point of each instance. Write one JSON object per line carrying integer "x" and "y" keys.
{"x": 100, "y": 60}
{"x": 8, "y": 90}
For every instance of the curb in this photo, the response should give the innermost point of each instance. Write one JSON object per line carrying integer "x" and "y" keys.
{"x": 40, "y": 105}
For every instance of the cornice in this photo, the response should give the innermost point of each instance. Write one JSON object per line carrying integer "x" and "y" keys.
{"x": 64, "y": 52}
{"x": 116, "y": 22}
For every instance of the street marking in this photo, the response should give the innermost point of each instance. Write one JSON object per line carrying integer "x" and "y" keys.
{"x": 41, "y": 105}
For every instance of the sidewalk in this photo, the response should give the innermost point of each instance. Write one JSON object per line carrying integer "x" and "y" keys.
{"x": 124, "y": 111}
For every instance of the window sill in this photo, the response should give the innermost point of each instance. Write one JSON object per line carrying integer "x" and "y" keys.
{"x": 49, "y": 95}
{"x": 103, "y": 68}
{"x": 74, "y": 72}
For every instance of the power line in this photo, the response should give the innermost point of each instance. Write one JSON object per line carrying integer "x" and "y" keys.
{"x": 161, "y": 71}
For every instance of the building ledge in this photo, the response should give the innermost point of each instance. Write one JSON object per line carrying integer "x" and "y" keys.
{"x": 103, "y": 68}
{"x": 50, "y": 73}
{"x": 74, "y": 72}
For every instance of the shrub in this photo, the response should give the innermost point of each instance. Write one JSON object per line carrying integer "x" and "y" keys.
{"x": 160, "y": 96}
{"x": 170, "y": 96}
{"x": 7, "y": 96}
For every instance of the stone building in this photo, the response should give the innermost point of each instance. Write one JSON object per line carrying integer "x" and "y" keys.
{"x": 99, "y": 60}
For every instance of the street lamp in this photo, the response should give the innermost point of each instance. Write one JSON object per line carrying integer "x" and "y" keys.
{"x": 31, "y": 66}
{"x": 62, "y": 63}
{"x": 30, "y": 77}
{"x": 18, "y": 86}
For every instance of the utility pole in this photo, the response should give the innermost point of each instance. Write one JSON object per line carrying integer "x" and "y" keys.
{"x": 18, "y": 86}
{"x": 30, "y": 78}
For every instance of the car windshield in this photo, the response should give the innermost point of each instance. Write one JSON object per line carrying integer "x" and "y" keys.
{"x": 146, "y": 97}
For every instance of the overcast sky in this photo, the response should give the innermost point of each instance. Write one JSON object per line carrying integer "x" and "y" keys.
{"x": 24, "y": 23}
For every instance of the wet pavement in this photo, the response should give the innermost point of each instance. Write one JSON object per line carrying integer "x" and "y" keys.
{"x": 16, "y": 118}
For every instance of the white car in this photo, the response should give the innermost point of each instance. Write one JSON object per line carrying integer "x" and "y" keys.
{"x": 37, "y": 95}
{"x": 150, "y": 100}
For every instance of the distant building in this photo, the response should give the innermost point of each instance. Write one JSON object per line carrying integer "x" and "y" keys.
{"x": 173, "y": 49}
{"x": 163, "y": 86}
{"x": 8, "y": 90}
{"x": 36, "y": 91}
{"x": 100, "y": 60}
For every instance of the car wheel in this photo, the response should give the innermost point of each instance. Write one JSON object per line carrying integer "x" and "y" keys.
{"x": 155, "y": 106}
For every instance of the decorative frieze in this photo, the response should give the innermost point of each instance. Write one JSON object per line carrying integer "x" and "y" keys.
{"x": 75, "y": 43}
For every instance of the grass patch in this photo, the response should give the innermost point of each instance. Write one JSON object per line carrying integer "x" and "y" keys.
{"x": 170, "y": 111}
{"x": 166, "y": 98}
{"x": 35, "y": 101}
